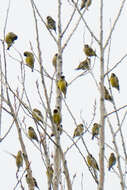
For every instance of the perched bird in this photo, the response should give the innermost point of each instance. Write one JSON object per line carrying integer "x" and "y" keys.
{"x": 56, "y": 116}
{"x": 54, "y": 61}
{"x": 10, "y": 38}
{"x": 89, "y": 51}
{"x": 107, "y": 96}
{"x": 95, "y": 130}
{"x": 85, "y": 3}
{"x": 62, "y": 85}
{"x": 92, "y": 162}
{"x": 49, "y": 173}
{"x": 29, "y": 181}
{"x": 19, "y": 159}
{"x": 31, "y": 134}
{"x": 37, "y": 114}
{"x": 78, "y": 131}
{"x": 29, "y": 59}
{"x": 112, "y": 161}
{"x": 84, "y": 65}
{"x": 51, "y": 24}
{"x": 114, "y": 81}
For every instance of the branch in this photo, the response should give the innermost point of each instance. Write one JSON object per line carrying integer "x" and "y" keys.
{"x": 102, "y": 106}
{"x": 115, "y": 22}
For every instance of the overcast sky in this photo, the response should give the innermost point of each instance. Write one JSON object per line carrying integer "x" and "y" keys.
{"x": 81, "y": 95}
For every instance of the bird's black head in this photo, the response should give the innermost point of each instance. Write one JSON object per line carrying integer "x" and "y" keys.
{"x": 15, "y": 38}
{"x": 25, "y": 54}
{"x": 48, "y": 17}
{"x": 113, "y": 75}
{"x": 30, "y": 128}
{"x": 86, "y": 46}
{"x": 62, "y": 77}
{"x": 55, "y": 111}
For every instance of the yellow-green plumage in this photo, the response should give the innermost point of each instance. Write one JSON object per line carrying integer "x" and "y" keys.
{"x": 112, "y": 161}
{"x": 10, "y": 38}
{"x": 107, "y": 96}
{"x": 79, "y": 130}
{"x": 29, "y": 59}
{"x": 84, "y": 65}
{"x": 92, "y": 162}
{"x": 95, "y": 130}
{"x": 85, "y": 3}
{"x": 19, "y": 159}
{"x": 37, "y": 114}
{"x": 31, "y": 134}
{"x": 114, "y": 81}
{"x": 62, "y": 85}
{"x": 51, "y": 24}
{"x": 56, "y": 116}
{"x": 89, "y": 51}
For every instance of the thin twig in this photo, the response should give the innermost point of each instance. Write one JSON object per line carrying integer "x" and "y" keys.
{"x": 115, "y": 22}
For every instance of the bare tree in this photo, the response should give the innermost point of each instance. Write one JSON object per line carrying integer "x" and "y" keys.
{"x": 40, "y": 103}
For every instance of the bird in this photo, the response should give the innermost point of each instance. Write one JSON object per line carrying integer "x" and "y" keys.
{"x": 114, "y": 81}
{"x": 85, "y": 3}
{"x": 10, "y": 38}
{"x": 56, "y": 116}
{"x": 89, "y": 51}
{"x": 78, "y": 130}
{"x": 54, "y": 61}
{"x": 37, "y": 115}
{"x": 31, "y": 134}
{"x": 95, "y": 130}
{"x": 29, "y": 181}
{"x": 92, "y": 162}
{"x": 49, "y": 174}
{"x": 62, "y": 85}
{"x": 51, "y": 24}
{"x": 29, "y": 59}
{"x": 84, "y": 65}
{"x": 107, "y": 96}
{"x": 112, "y": 161}
{"x": 19, "y": 159}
